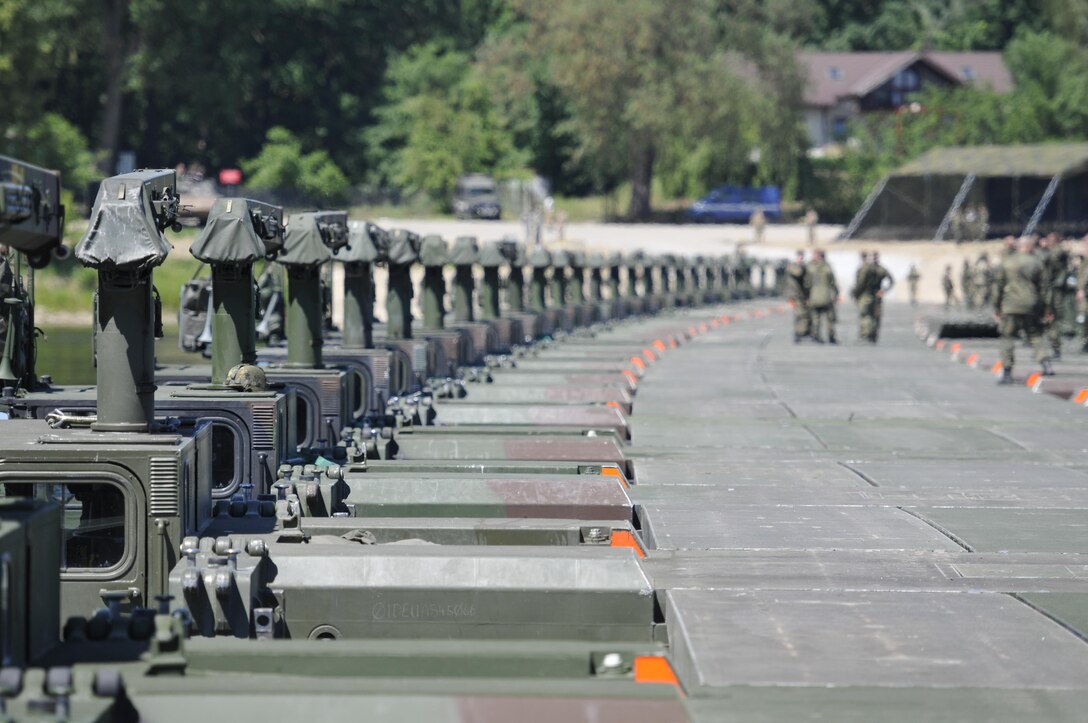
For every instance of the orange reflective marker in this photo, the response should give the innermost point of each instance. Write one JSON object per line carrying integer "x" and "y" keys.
{"x": 714, "y": 323}
{"x": 630, "y": 377}
{"x": 972, "y": 360}
{"x": 997, "y": 368}
{"x": 703, "y": 328}
{"x": 955, "y": 348}
{"x": 1081, "y": 397}
{"x": 615, "y": 472}
{"x": 672, "y": 343}
{"x": 659, "y": 345}
{"x": 725, "y": 318}
{"x": 655, "y": 669}
{"x": 624, "y": 538}
{"x": 1033, "y": 379}
{"x": 692, "y": 331}
{"x": 637, "y": 361}
{"x": 649, "y": 354}
{"x": 939, "y": 344}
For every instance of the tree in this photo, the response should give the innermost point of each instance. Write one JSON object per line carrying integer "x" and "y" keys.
{"x": 438, "y": 123}
{"x": 629, "y": 70}
{"x": 282, "y": 164}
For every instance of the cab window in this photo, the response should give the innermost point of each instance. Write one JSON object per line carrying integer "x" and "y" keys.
{"x": 93, "y": 532}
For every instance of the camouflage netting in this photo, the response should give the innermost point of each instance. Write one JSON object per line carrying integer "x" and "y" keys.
{"x": 1001, "y": 187}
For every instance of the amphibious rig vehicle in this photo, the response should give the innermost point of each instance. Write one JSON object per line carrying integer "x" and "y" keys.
{"x": 449, "y": 504}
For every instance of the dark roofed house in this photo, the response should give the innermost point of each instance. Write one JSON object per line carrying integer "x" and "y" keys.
{"x": 842, "y": 86}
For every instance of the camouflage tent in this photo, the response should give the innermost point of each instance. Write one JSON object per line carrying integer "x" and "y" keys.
{"x": 974, "y": 192}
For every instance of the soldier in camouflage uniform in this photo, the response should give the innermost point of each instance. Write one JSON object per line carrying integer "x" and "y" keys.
{"x": 1021, "y": 307}
{"x": 913, "y": 277}
{"x": 982, "y": 281}
{"x": 797, "y": 297}
{"x": 966, "y": 285}
{"x": 949, "y": 286}
{"x": 862, "y": 298}
{"x": 821, "y": 291}
{"x": 881, "y": 282}
{"x": 1055, "y": 260}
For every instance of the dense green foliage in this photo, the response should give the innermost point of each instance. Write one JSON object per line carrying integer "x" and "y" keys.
{"x": 318, "y": 96}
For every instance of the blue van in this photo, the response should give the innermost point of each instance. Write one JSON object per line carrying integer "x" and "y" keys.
{"x": 737, "y": 204}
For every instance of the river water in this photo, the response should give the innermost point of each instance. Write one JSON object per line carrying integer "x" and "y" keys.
{"x": 65, "y": 354}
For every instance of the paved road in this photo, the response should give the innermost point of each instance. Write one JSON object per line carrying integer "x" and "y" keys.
{"x": 863, "y": 533}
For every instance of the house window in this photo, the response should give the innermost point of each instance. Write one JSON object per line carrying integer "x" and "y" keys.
{"x": 834, "y": 73}
{"x": 840, "y": 127}
{"x": 905, "y": 80}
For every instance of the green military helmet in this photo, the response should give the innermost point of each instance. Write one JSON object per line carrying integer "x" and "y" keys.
{"x": 465, "y": 251}
{"x": 247, "y": 377}
{"x": 561, "y": 259}
{"x": 433, "y": 251}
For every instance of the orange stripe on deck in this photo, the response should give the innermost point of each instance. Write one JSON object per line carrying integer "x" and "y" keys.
{"x": 649, "y": 354}
{"x": 939, "y": 344}
{"x": 659, "y": 345}
{"x": 997, "y": 368}
{"x": 624, "y": 538}
{"x": 955, "y": 348}
{"x": 637, "y": 361}
{"x": 630, "y": 377}
{"x": 725, "y": 318}
{"x": 972, "y": 361}
{"x": 615, "y": 472}
{"x": 655, "y": 669}
{"x": 1033, "y": 379}
{"x": 703, "y": 327}
{"x": 1081, "y": 397}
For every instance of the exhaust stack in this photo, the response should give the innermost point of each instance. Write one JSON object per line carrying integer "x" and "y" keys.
{"x": 238, "y": 233}
{"x": 125, "y": 243}
{"x": 309, "y": 243}
{"x": 364, "y": 240}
